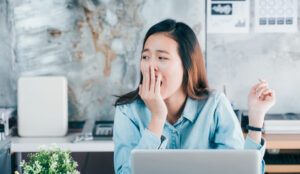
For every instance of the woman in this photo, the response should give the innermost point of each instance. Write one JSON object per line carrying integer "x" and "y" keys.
{"x": 173, "y": 107}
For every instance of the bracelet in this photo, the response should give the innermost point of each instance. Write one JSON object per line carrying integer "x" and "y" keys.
{"x": 254, "y": 128}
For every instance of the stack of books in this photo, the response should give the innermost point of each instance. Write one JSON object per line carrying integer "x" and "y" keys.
{"x": 282, "y": 123}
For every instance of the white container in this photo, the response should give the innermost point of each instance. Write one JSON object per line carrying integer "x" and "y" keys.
{"x": 42, "y": 106}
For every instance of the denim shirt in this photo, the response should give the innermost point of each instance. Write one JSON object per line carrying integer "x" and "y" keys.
{"x": 204, "y": 124}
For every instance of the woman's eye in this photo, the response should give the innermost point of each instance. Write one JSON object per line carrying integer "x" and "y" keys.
{"x": 162, "y": 58}
{"x": 144, "y": 57}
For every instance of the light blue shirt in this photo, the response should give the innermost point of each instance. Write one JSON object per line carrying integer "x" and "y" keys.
{"x": 210, "y": 125}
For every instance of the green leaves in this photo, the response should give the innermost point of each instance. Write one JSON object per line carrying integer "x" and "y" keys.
{"x": 50, "y": 161}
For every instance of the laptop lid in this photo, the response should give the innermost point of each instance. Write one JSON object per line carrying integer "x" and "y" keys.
{"x": 195, "y": 161}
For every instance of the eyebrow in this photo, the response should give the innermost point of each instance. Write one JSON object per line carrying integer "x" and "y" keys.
{"x": 161, "y": 51}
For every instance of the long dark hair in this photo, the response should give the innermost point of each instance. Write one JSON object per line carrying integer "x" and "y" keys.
{"x": 195, "y": 81}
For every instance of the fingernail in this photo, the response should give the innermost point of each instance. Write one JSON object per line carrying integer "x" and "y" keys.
{"x": 262, "y": 80}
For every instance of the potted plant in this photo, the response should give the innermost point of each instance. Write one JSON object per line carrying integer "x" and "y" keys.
{"x": 50, "y": 161}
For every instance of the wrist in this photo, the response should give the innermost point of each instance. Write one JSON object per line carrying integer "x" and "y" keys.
{"x": 256, "y": 113}
{"x": 253, "y": 128}
{"x": 256, "y": 124}
{"x": 158, "y": 119}
{"x": 156, "y": 126}
{"x": 256, "y": 119}
{"x": 255, "y": 136}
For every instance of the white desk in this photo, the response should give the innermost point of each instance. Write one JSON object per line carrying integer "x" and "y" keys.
{"x": 32, "y": 144}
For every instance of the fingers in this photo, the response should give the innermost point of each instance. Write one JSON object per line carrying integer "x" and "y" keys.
{"x": 152, "y": 80}
{"x": 157, "y": 85}
{"x": 271, "y": 95}
{"x": 142, "y": 86}
{"x": 262, "y": 95}
{"x": 261, "y": 87}
{"x": 262, "y": 80}
{"x": 151, "y": 84}
{"x": 146, "y": 80}
{"x": 263, "y": 92}
{"x": 261, "y": 83}
{"x": 253, "y": 89}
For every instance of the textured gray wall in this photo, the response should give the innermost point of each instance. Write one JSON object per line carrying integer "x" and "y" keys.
{"x": 7, "y": 96}
{"x": 238, "y": 60}
{"x": 96, "y": 44}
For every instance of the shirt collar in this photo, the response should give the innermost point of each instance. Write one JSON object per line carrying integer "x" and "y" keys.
{"x": 192, "y": 108}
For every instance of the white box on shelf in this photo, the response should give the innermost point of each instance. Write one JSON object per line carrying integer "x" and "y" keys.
{"x": 42, "y": 106}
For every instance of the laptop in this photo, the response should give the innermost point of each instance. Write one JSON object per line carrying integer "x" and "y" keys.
{"x": 195, "y": 161}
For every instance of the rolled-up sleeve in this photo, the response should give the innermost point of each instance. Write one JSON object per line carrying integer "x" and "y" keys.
{"x": 128, "y": 136}
{"x": 251, "y": 144}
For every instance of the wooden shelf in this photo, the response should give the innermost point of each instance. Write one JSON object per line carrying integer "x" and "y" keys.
{"x": 282, "y": 168}
{"x": 282, "y": 141}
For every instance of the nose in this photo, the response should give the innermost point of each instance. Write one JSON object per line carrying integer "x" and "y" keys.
{"x": 153, "y": 63}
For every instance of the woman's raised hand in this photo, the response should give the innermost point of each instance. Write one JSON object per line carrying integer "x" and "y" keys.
{"x": 260, "y": 99}
{"x": 149, "y": 91}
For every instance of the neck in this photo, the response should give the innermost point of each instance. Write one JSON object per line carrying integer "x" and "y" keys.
{"x": 175, "y": 105}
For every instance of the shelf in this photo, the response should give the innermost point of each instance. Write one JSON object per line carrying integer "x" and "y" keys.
{"x": 282, "y": 168}
{"x": 282, "y": 141}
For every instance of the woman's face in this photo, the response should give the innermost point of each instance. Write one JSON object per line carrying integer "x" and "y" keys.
{"x": 160, "y": 52}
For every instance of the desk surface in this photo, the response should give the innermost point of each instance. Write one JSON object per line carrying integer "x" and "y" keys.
{"x": 32, "y": 144}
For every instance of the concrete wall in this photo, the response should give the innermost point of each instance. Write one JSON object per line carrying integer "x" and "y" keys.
{"x": 96, "y": 44}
